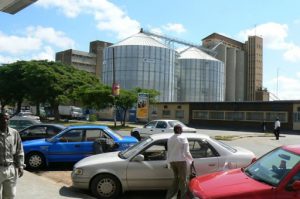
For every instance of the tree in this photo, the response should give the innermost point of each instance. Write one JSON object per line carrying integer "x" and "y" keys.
{"x": 125, "y": 101}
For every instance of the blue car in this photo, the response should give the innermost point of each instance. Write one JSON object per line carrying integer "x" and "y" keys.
{"x": 73, "y": 144}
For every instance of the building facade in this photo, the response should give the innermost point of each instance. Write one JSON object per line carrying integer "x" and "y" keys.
{"x": 91, "y": 61}
{"x": 243, "y": 66}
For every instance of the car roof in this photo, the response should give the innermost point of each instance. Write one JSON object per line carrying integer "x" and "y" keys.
{"x": 43, "y": 124}
{"x": 87, "y": 126}
{"x": 292, "y": 148}
{"x": 14, "y": 118}
{"x": 187, "y": 135}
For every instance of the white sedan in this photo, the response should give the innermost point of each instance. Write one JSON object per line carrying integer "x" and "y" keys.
{"x": 159, "y": 126}
{"x": 143, "y": 166}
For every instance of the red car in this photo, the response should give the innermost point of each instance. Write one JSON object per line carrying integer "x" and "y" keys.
{"x": 276, "y": 175}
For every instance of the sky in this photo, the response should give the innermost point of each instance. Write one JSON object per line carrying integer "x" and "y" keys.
{"x": 50, "y": 26}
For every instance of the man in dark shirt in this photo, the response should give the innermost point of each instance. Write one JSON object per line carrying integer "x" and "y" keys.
{"x": 11, "y": 158}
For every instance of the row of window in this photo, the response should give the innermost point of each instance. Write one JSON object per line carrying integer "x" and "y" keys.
{"x": 257, "y": 116}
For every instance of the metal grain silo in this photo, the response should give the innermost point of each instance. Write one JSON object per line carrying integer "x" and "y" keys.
{"x": 141, "y": 61}
{"x": 201, "y": 77}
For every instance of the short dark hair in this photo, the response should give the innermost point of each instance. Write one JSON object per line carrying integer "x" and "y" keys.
{"x": 177, "y": 127}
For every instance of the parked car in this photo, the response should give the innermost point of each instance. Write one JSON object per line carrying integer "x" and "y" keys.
{"x": 275, "y": 175}
{"x": 20, "y": 123}
{"x": 144, "y": 167}
{"x": 38, "y": 131}
{"x": 28, "y": 114}
{"x": 159, "y": 126}
{"x": 73, "y": 144}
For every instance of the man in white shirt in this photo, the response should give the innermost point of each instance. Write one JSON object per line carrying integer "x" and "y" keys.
{"x": 179, "y": 158}
{"x": 277, "y": 128}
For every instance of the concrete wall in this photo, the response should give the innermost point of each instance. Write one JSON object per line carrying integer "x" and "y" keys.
{"x": 230, "y": 74}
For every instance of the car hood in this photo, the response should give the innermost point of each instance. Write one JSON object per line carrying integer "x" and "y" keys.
{"x": 35, "y": 142}
{"x": 129, "y": 139}
{"x": 103, "y": 158}
{"x": 232, "y": 183}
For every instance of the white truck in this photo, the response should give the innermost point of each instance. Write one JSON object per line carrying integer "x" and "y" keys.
{"x": 70, "y": 112}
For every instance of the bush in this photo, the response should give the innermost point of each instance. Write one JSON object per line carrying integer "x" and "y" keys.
{"x": 93, "y": 118}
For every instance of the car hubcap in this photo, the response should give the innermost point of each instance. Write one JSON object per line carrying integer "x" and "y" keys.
{"x": 106, "y": 187}
{"x": 35, "y": 161}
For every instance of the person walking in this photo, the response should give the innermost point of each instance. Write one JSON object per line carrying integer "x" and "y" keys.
{"x": 11, "y": 158}
{"x": 277, "y": 128}
{"x": 179, "y": 158}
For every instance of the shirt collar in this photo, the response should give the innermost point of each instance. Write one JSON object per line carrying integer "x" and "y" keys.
{"x": 7, "y": 132}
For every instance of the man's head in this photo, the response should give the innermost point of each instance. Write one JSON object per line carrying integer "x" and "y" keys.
{"x": 177, "y": 129}
{"x": 4, "y": 117}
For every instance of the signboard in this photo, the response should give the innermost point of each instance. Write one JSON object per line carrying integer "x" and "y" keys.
{"x": 142, "y": 106}
{"x": 116, "y": 89}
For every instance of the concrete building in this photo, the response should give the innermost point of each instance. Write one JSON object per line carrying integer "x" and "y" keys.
{"x": 88, "y": 61}
{"x": 14, "y": 6}
{"x": 243, "y": 66}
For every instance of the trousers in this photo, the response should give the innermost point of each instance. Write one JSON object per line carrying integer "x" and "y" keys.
{"x": 8, "y": 182}
{"x": 179, "y": 183}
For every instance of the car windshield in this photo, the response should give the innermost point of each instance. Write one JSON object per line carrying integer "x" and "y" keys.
{"x": 116, "y": 134}
{"x": 273, "y": 167}
{"x": 135, "y": 148}
{"x": 173, "y": 123}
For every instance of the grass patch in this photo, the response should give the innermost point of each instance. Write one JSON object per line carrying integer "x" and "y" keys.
{"x": 227, "y": 137}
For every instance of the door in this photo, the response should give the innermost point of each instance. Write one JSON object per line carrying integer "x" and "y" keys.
{"x": 152, "y": 173}
{"x": 206, "y": 159}
{"x": 70, "y": 147}
{"x": 284, "y": 190}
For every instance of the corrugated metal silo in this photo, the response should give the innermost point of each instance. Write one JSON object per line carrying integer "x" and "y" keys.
{"x": 142, "y": 61}
{"x": 201, "y": 77}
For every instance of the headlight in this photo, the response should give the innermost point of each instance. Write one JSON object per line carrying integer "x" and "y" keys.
{"x": 78, "y": 171}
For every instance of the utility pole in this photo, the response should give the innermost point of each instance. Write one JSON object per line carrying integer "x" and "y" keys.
{"x": 113, "y": 89}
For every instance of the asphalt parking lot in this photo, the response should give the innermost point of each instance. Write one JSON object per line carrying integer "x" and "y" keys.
{"x": 59, "y": 183}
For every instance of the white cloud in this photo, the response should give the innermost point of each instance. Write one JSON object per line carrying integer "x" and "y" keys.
{"x": 275, "y": 37}
{"x": 288, "y": 87}
{"x": 174, "y": 27}
{"x": 39, "y": 41}
{"x": 108, "y": 16}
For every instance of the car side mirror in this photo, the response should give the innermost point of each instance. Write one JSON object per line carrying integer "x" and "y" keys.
{"x": 296, "y": 185}
{"x": 138, "y": 158}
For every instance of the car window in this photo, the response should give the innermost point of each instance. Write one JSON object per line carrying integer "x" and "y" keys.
{"x": 156, "y": 151}
{"x": 201, "y": 149}
{"x": 161, "y": 125}
{"x": 52, "y": 130}
{"x": 173, "y": 123}
{"x": 93, "y": 134}
{"x": 150, "y": 124}
{"x": 74, "y": 135}
{"x": 37, "y": 130}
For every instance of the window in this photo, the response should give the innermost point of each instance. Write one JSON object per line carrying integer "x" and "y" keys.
{"x": 255, "y": 116}
{"x": 37, "y": 131}
{"x": 166, "y": 112}
{"x": 179, "y": 114}
{"x": 216, "y": 115}
{"x": 297, "y": 117}
{"x": 200, "y": 115}
{"x": 93, "y": 134}
{"x": 234, "y": 115}
{"x": 157, "y": 151}
{"x": 161, "y": 125}
{"x": 150, "y": 125}
{"x": 75, "y": 135}
{"x": 201, "y": 149}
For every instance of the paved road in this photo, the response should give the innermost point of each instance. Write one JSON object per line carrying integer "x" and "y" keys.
{"x": 32, "y": 186}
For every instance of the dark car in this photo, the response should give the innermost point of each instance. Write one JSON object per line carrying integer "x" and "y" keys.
{"x": 38, "y": 131}
{"x": 20, "y": 123}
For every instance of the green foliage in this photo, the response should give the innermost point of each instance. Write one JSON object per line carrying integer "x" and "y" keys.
{"x": 93, "y": 118}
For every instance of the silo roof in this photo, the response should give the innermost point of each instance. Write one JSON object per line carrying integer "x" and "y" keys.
{"x": 195, "y": 53}
{"x": 140, "y": 39}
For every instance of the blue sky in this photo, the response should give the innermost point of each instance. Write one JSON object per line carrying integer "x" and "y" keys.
{"x": 49, "y": 26}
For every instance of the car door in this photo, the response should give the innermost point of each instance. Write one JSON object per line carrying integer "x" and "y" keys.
{"x": 284, "y": 190}
{"x": 152, "y": 173}
{"x": 69, "y": 147}
{"x": 206, "y": 158}
{"x": 148, "y": 128}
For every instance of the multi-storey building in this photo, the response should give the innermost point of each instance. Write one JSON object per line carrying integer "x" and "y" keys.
{"x": 88, "y": 61}
{"x": 243, "y": 66}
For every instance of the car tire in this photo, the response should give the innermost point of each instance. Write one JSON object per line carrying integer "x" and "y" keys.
{"x": 35, "y": 161}
{"x": 106, "y": 186}
{"x": 136, "y": 135}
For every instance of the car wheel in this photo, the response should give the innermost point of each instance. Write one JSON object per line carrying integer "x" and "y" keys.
{"x": 136, "y": 135}
{"x": 106, "y": 186}
{"x": 35, "y": 161}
